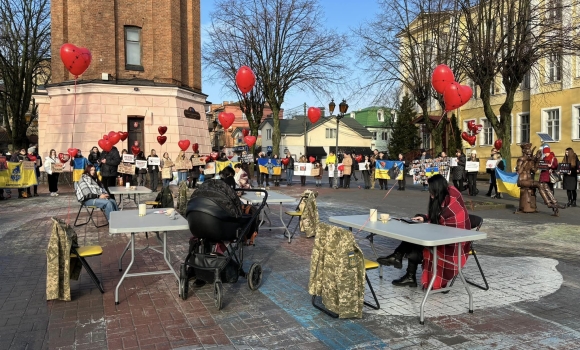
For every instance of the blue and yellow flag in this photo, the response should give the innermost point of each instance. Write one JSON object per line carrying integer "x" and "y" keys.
{"x": 274, "y": 167}
{"x": 18, "y": 175}
{"x": 389, "y": 169}
{"x": 507, "y": 183}
{"x": 219, "y": 166}
{"x": 432, "y": 170}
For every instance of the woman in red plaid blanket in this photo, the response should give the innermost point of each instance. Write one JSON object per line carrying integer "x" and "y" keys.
{"x": 446, "y": 207}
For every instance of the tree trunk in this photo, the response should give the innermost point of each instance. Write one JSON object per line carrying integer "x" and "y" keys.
{"x": 503, "y": 128}
{"x": 276, "y": 132}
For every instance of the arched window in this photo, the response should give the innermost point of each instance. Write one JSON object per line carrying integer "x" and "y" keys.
{"x": 381, "y": 115}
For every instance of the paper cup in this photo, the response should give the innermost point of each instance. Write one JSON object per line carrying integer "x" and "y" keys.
{"x": 373, "y": 215}
{"x": 384, "y": 217}
{"x": 142, "y": 209}
{"x": 127, "y": 185}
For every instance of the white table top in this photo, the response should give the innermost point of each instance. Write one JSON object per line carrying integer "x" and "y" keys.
{"x": 273, "y": 197}
{"x": 424, "y": 234}
{"x": 129, "y": 221}
{"x": 125, "y": 190}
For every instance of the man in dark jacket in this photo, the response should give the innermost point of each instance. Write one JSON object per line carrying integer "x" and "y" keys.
{"x": 109, "y": 163}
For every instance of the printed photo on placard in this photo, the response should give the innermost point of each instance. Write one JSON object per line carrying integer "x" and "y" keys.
{"x": 141, "y": 164}
{"x": 154, "y": 161}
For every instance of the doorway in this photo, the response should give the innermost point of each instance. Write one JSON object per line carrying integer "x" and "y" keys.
{"x": 136, "y": 131}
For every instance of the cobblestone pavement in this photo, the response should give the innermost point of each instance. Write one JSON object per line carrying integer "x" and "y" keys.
{"x": 530, "y": 262}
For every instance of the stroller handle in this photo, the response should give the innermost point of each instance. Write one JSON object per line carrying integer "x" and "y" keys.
{"x": 262, "y": 205}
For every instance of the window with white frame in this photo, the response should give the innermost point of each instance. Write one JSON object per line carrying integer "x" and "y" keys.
{"x": 425, "y": 138}
{"x": 576, "y": 122}
{"x": 554, "y": 11}
{"x": 374, "y": 135}
{"x": 133, "y": 47}
{"x": 554, "y": 68}
{"x": 486, "y": 135}
{"x": 524, "y": 128}
{"x": 473, "y": 87}
{"x": 526, "y": 82}
{"x": 551, "y": 122}
{"x": 352, "y": 115}
{"x": 330, "y": 133}
{"x": 268, "y": 134}
{"x": 381, "y": 116}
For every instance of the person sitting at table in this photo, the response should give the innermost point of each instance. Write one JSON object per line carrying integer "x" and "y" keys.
{"x": 90, "y": 191}
{"x": 446, "y": 207}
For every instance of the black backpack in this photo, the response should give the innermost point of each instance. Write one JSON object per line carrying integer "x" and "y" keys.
{"x": 164, "y": 198}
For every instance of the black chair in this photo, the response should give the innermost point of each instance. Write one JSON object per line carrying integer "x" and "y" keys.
{"x": 90, "y": 213}
{"x": 476, "y": 222}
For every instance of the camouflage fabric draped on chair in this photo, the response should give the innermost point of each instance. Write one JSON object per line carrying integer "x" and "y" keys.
{"x": 309, "y": 218}
{"x": 60, "y": 268}
{"x": 182, "y": 198}
{"x": 337, "y": 271}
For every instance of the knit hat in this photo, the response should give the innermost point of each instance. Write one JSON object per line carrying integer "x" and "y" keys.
{"x": 546, "y": 150}
{"x": 31, "y": 149}
{"x": 473, "y": 151}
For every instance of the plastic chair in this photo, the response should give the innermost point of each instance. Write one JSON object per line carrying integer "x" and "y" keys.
{"x": 84, "y": 252}
{"x": 297, "y": 213}
{"x": 371, "y": 265}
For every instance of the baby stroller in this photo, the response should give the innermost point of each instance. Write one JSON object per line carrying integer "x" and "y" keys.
{"x": 219, "y": 227}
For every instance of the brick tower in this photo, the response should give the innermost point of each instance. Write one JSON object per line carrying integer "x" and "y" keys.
{"x": 145, "y": 73}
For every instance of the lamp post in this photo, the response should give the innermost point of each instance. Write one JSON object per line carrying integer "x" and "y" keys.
{"x": 342, "y": 107}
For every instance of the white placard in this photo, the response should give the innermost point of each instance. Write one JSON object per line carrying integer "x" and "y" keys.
{"x": 490, "y": 164}
{"x": 471, "y": 167}
{"x": 363, "y": 166}
{"x": 302, "y": 169}
{"x": 331, "y": 170}
{"x": 128, "y": 158}
{"x": 209, "y": 168}
{"x": 154, "y": 161}
{"x": 141, "y": 164}
{"x": 453, "y": 162}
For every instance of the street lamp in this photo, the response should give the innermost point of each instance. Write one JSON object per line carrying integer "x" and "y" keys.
{"x": 342, "y": 107}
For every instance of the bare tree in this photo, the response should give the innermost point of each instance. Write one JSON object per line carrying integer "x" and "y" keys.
{"x": 290, "y": 49}
{"x": 24, "y": 61}
{"x": 507, "y": 39}
{"x": 403, "y": 44}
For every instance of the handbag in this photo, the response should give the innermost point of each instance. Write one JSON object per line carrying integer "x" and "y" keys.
{"x": 555, "y": 177}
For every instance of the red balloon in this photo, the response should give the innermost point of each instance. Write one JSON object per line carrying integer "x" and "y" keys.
{"x": 135, "y": 150}
{"x": 184, "y": 145}
{"x": 285, "y": 161}
{"x": 214, "y": 155}
{"x": 114, "y": 137}
{"x": 105, "y": 137}
{"x": 195, "y": 147}
{"x": 471, "y": 125}
{"x": 161, "y": 139}
{"x": 123, "y": 135}
{"x": 497, "y": 144}
{"x": 106, "y": 145}
{"x": 359, "y": 158}
{"x": 469, "y": 138}
{"x": 314, "y": 114}
{"x": 341, "y": 167}
{"x": 311, "y": 159}
{"x": 72, "y": 152}
{"x": 63, "y": 157}
{"x": 226, "y": 119}
{"x": 478, "y": 129}
{"x": 456, "y": 96}
{"x": 441, "y": 78}
{"x": 245, "y": 79}
{"x": 76, "y": 59}
{"x": 162, "y": 130}
{"x": 245, "y": 132}
{"x": 250, "y": 140}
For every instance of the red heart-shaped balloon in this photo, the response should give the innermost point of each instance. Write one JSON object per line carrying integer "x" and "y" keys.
{"x": 184, "y": 144}
{"x": 314, "y": 114}
{"x": 226, "y": 119}
{"x": 497, "y": 144}
{"x": 245, "y": 80}
{"x": 214, "y": 155}
{"x": 469, "y": 138}
{"x": 245, "y": 132}
{"x": 114, "y": 137}
{"x": 341, "y": 167}
{"x": 76, "y": 59}
{"x": 105, "y": 137}
{"x": 135, "y": 150}
{"x": 63, "y": 157}
{"x": 478, "y": 129}
{"x": 471, "y": 125}
{"x": 250, "y": 140}
{"x": 359, "y": 158}
{"x": 161, "y": 139}
{"x": 311, "y": 159}
{"x": 441, "y": 78}
{"x": 72, "y": 152}
{"x": 195, "y": 147}
{"x": 456, "y": 95}
{"x": 106, "y": 145}
{"x": 123, "y": 135}
{"x": 162, "y": 130}
{"x": 285, "y": 161}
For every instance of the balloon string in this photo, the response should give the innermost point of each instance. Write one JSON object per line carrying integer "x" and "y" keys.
{"x": 369, "y": 218}
{"x": 72, "y": 143}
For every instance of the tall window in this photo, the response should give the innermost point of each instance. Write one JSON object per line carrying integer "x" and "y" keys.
{"x": 486, "y": 133}
{"x": 380, "y": 116}
{"x": 524, "y": 128}
{"x": 554, "y": 67}
{"x": 552, "y": 123}
{"x": 525, "y": 85}
{"x": 554, "y": 10}
{"x": 330, "y": 133}
{"x": 133, "y": 48}
{"x": 268, "y": 134}
{"x": 426, "y": 138}
{"x": 385, "y": 136}
{"x": 374, "y": 135}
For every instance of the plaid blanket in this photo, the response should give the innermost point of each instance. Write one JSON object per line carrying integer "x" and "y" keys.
{"x": 87, "y": 188}
{"x": 454, "y": 214}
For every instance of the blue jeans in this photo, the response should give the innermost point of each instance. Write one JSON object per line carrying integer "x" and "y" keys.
{"x": 108, "y": 205}
{"x": 181, "y": 176}
{"x": 166, "y": 182}
{"x": 289, "y": 175}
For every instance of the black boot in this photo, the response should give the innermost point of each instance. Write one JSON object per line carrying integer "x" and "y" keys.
{"x": 395, "y": 260}
{"x": 409, "y": 279}
{"x": 574, "y": 203}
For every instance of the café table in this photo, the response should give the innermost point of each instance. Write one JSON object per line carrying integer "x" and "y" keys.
{"x": 130, "y": 222}
{"x": 273, "y": 198}
{"x": 123, "y": 190}
{"x": 424, "y": 234}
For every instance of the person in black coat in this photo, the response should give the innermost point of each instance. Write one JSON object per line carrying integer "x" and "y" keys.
{"x": 109, "y": 163}
{"x": 458, "y": 171}
{"x": 153, "y": 171}
{"x": 570, "y": 173}
{"x": 195, "y": 171}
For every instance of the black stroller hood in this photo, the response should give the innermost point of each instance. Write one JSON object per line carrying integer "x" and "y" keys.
{"x": 224, "y": 198}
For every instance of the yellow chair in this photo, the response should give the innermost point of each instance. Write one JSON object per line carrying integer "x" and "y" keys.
{"x": 152, "y": 203}
{"x": 371, "y": 265}
{"x": 85, "y": 252}
{"x": 297, "y": 213}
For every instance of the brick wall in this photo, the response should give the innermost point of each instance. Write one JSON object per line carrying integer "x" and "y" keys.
{"x": 170, "y": 38}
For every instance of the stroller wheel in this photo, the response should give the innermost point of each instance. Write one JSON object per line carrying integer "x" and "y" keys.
{"x": 217, "y": 294}
{"x": 183, "y": 282}
{"x": 255, "y": 276}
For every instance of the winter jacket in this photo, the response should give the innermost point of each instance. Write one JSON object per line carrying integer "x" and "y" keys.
{"x": 95, "y": 159}
{"x": 113, "y": 160}
{"x": 48, "y": 162}
{"x": 152, "y": 168}
{"x": 347, "y": 163}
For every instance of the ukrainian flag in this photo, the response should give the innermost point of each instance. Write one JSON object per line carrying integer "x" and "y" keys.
{"x": 222, "y": 165}
{"x": 382, "y": 168}
{"x": 276, "y": 166}
{"x": 507, "y": 183}
{"x": 430, "y": 171}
